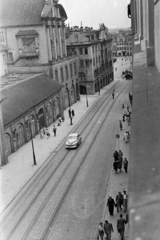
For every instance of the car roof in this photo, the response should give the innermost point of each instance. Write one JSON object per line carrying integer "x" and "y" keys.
{"x": 73, "y": 134}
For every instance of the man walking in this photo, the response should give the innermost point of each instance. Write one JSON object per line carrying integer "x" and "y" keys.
{"x": 111, "y": 204}
{"x": 54, "y": 130}
{"x": 113, "y": 92}
{"x": 108, "y": 229}
{"x": 69, "y": 112}
{"x": 121, "y": 226}
{"x": 125, "y": 165}
{"x": 100, "y": 231}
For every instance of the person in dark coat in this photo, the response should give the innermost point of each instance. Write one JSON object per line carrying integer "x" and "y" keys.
{"x": 119, "y": 201}
{"x": 115, "y": 155}
{"x": 111, "y": 204}
{"x": 115, "y": 166}
{"x": 73, "y": 114}
{"x": 121, "y": 226}
{"x": 54, "y": 130}
{"x": 120, "y": 125}
{"x": 108, "y": 229}
{"x": 69, "y": 112}
{"x": 125, "y": 165}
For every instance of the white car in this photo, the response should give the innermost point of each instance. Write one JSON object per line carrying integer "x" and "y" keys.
{"x": 73, "y": 140}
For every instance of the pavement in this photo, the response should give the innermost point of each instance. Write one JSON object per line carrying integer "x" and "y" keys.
{"x": 20, "y": 168}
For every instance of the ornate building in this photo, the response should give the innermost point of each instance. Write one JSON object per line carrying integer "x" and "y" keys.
{"x": 94, "y": 48}
{"x": 32, "y": 42}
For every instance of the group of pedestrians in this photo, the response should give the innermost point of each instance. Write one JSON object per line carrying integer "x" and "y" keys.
{"x": 126, "y": 113}
{"x": 106, "y": 228}
{"x": 119, "y": 162}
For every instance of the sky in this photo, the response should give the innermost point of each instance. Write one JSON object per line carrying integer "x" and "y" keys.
{"x": 113, "y": 13}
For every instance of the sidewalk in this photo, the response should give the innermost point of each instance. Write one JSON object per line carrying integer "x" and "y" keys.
{"x": 20, "y": 168}
{"x": 118, "y": 183}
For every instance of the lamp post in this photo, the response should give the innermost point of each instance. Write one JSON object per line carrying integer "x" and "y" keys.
{"x": 34, "y": 157}
{"x": 86, "y": 89}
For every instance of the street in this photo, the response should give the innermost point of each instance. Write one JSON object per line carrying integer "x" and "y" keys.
{"x": 66, "y": 198}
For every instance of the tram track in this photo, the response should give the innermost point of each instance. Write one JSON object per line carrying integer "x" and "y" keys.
{"x": 89, "y": 119}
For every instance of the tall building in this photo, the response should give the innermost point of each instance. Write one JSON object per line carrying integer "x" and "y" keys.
{"x": 144, "y": 172}
{"x": 38, "y": 78}
{"x": 94, "y": 48}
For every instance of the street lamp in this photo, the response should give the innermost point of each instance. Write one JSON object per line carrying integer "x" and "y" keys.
{"x": 34, "y": 157}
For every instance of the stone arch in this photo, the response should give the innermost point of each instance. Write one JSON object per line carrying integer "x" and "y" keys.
{"x": 20, "y": 139}
{"x": 72, "y": 95}
{"x": 8, "y": 147}
{"x": 49, "y": 113}
{"x": 66, "y": 98}
{"x": 41, "y": 118}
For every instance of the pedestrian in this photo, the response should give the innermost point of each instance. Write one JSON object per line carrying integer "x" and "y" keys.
{"x": 41, "y": 133}
{"x": 125, "y": 165}
{"x": 73, "y": 114}
{"x": 120, "y": 155}
{"x": 115, "y": 155}
{"x": 115, "y": 166}
{"x": 120, "y": 125}
{"x": 111, "y": 204}
{"x": 100, "y": 231}
{"x": 54, "y": 130}
{"x": 123, "y": 117}
{"x": 125, "y": 201}
{"x": 119, "y": 201}
{"x": 121, "y": 226}
{"x": 47, "y": 133}
{"x": 69, "y": 112}
{"x": 59, "y": 122}
{"x": 122, "y": 106}
{"x": 108, "y": 229}
{"x": 125, "y": 138}
{"x": 113, "y": 93}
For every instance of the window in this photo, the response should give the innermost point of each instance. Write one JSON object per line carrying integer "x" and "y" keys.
{"x": 10, "y": 57}
{"x": 62, "y": 78}
{"x": 76, "y": 38}
{"x": 86, "y": 51}
{"x": 81, "y": 51}
{"x": 71, "y": 70}
{"x": 66, "y": 67}
{"x": 81, "y": 64}
{"x": 75, "y": 70}
{"x": 93, "y": 61}
{"x": 56, "y": 75}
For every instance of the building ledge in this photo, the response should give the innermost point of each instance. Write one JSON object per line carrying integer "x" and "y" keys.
{"x": 144, "y": 178}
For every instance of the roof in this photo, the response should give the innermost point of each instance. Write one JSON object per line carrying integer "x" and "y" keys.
{"x": 26, "y": 94}
{"x": 21, "y": 12}
{"x": 25, "y": 12}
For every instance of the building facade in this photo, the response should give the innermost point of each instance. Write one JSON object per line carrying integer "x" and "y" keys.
{"x": 32, "y": 41}
{"x": 122, "y": 44}
{"x": 94, "y": 48}
{"x": 34, "y": 38}
{"x": 144, "y": 186}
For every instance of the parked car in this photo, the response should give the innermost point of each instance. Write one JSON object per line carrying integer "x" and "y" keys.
{"x": 73, "y": 140}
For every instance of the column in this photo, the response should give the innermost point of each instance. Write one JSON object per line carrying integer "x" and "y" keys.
{"x": 150, "y": 48}
{"x": 59, "y": 38}
{"x": 54, "y": 39}
{"x": 49, "y": 43}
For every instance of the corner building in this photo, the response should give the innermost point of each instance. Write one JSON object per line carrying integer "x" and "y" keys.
{"x": 94, "y": 48}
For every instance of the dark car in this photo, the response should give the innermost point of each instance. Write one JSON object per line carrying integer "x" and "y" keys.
{"x": 128, "y": 76}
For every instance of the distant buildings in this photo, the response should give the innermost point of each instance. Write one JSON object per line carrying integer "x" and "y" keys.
{"x": 122, "y": 44}
{"x": 94, "y": 48}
